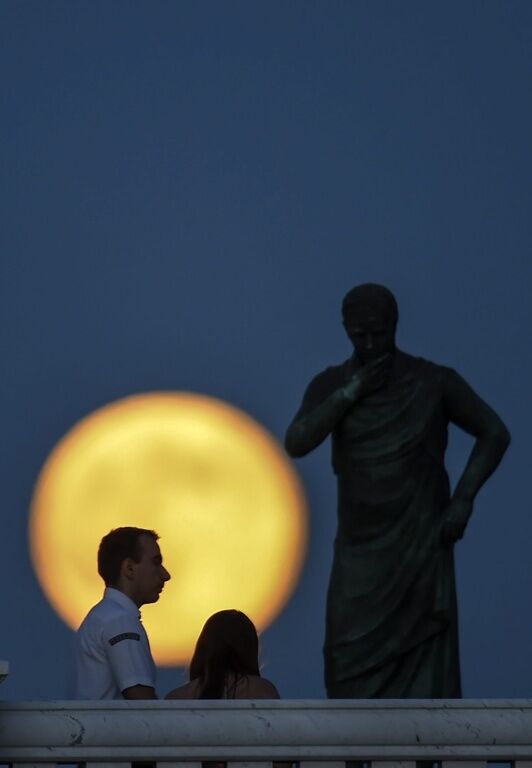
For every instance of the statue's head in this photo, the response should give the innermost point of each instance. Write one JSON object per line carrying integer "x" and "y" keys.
{"x": 370, "y": 315}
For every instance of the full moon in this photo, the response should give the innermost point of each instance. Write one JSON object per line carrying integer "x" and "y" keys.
{"x": 217, "y": 488}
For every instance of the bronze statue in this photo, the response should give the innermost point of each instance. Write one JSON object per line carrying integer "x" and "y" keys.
{"x": 392, "y": 628}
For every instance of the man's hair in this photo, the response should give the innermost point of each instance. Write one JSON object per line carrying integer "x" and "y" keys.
{"x": 115, "y": 547}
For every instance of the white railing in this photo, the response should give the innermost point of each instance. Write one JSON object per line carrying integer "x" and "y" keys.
{"x": 318, "y": 734}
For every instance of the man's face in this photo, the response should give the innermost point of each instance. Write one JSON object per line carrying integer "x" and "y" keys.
{"x": 149, "y": 575}
{"x": 372, "y": 336}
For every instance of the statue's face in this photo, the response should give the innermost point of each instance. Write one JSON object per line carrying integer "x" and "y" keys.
{"x": 372, "y": 336}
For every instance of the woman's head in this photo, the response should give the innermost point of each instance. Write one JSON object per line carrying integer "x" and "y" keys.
{"x": 228, "y": 643}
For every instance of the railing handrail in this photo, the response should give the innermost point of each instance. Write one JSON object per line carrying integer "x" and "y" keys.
{"x": 80, "y": 731}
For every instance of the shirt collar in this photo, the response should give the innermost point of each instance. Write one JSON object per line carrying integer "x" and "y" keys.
{"x": 119, "y": 597}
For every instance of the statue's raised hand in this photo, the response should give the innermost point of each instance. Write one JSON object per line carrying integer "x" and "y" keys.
{"x": 368, "y": 378}
{"x": 455, "y": 520}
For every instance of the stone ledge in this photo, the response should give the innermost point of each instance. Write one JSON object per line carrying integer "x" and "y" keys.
{"x": 262, "y": 730}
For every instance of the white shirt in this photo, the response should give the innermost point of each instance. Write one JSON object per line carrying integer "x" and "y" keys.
{"x": 112, "y": 651}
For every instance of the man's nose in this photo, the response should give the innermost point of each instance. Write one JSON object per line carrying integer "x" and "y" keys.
{"x": 166, "y": 575}
{"x": 369, "y": 341}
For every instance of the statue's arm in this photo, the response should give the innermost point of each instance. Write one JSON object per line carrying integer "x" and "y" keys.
{"x": 319, "y": 413}
{"x": 326, "y": 401}
{"x": 469, "y": 412}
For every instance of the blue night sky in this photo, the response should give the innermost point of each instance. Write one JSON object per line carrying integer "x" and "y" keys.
{"x": 188, "y": 190}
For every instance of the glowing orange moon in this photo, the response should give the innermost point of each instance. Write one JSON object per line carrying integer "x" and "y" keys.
{"x": 218, "y": 489}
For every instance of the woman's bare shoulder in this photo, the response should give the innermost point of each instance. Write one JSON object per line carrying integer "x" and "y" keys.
{"x": 248, "y": 687}
{"x": 254, "y": 687}
{"x": 187, "y": 691}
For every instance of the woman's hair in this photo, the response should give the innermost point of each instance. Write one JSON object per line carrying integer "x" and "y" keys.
{"x": 227, "y": 648}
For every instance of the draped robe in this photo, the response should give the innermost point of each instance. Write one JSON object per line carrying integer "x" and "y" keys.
{"x": 391, "y": 626}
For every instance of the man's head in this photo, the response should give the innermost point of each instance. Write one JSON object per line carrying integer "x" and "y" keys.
{"x": 370, "y": 315}
{"x": 129, "y": 559}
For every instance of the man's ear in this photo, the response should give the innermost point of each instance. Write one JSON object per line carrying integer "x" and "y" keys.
{"x": 127, "y": 570}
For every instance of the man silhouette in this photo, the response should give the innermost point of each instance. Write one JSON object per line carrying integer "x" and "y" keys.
{"x": 392, "y": 628}
{"x": 112, "y": 656}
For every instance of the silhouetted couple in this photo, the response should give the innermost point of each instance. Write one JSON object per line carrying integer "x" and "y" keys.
{"x": 113, "y": 658}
